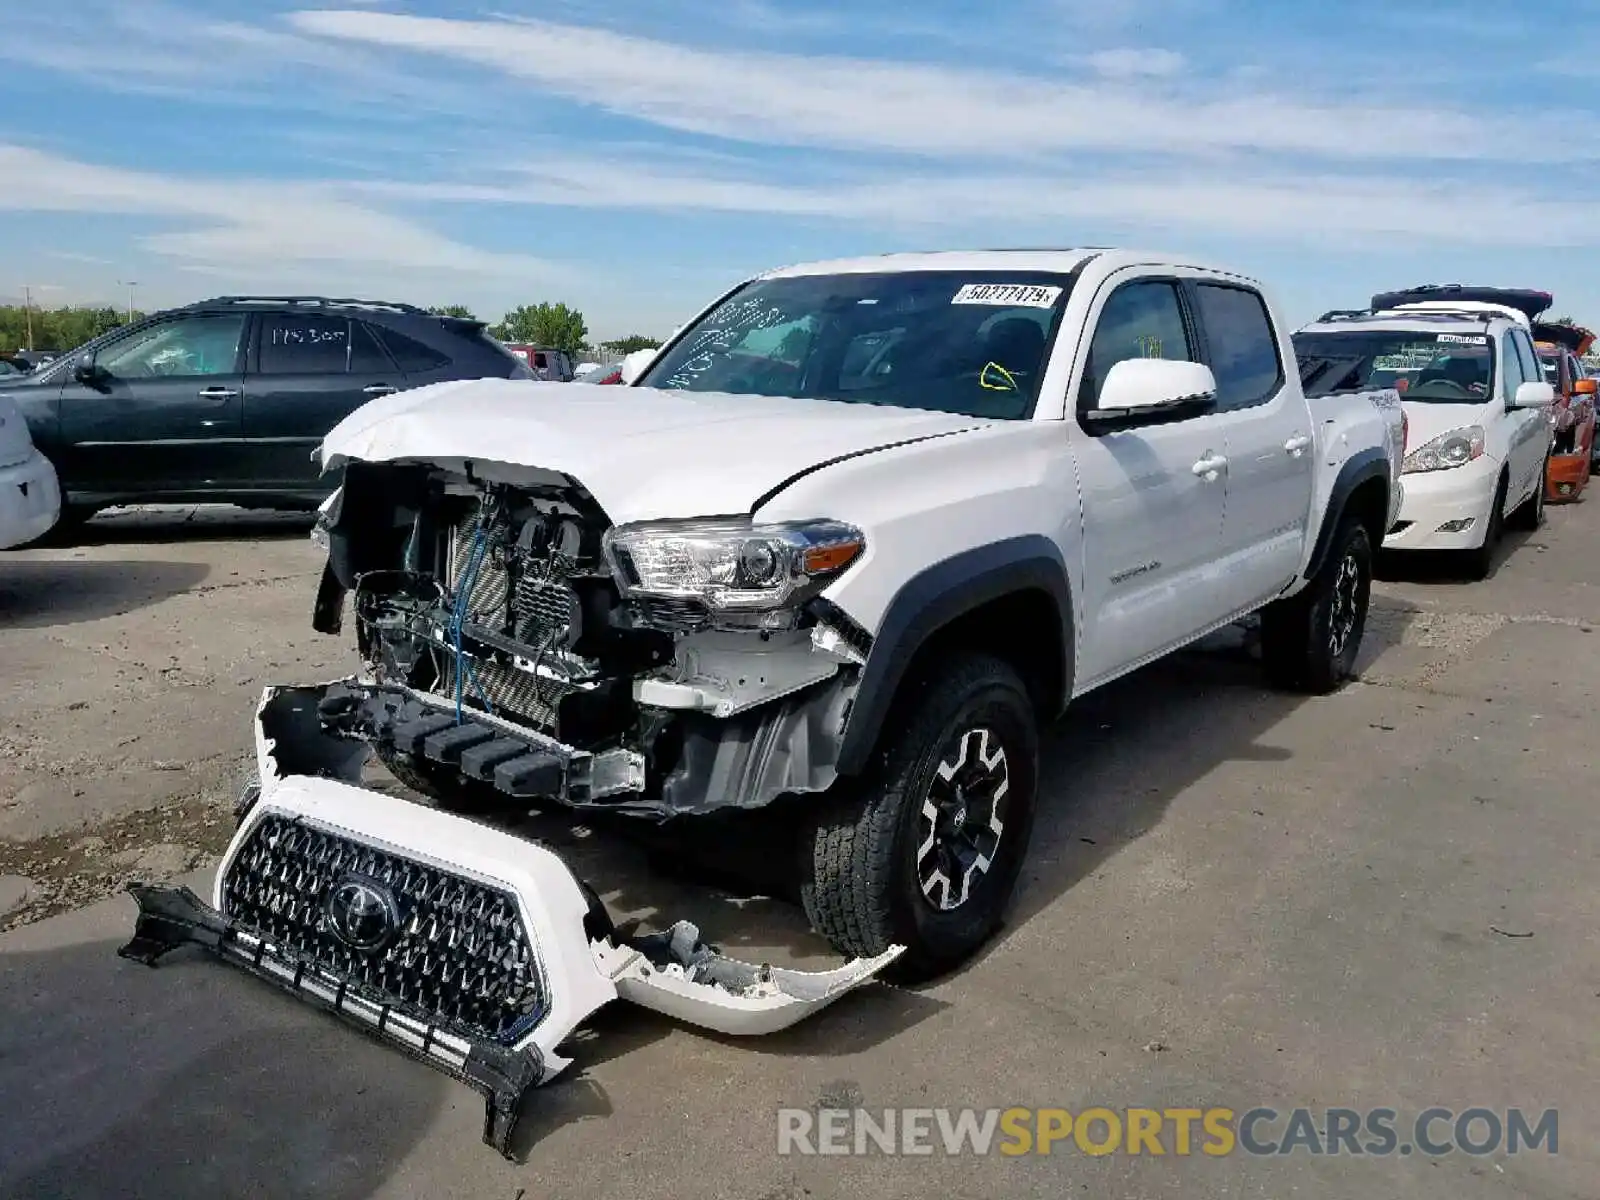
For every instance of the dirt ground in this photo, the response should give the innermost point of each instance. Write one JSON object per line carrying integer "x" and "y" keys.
{"x": 1383, "y": 897}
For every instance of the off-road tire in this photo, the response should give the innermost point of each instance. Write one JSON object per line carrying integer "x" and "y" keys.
{"x": 1530, "y": 513}
{"x": 860, "y": 882}
{"x": 1478, "y": 563}
{"x": 1309, "y": 641}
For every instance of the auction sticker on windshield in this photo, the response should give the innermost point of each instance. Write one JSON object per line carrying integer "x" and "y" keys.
{"x": 1010, "y": 295}
{"x": 1463, "y": 339}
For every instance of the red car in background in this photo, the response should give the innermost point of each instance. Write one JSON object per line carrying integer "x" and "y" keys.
{"x": 1561, "y": 347}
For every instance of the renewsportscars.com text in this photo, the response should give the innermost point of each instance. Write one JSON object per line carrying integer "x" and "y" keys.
{"x": 1178, "y": 1132}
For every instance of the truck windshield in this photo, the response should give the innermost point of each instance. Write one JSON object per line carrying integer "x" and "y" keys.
{"x": 1445, "y": 368}
{"x": 971, "y": 342}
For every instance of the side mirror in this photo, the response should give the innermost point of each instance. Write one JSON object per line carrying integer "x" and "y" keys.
{"x": 87, "y": 373}
{"x": 634, "y": 365}
{"x": 1150, "y": 387}
{"x": 1533, "y": 395}
{"x": 1585, "y": 387}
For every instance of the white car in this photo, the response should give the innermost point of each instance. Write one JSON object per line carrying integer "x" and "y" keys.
{"x": 30, "y": 495}
{"x": 1478, "y": 410}
{"x": 857, "y": 534}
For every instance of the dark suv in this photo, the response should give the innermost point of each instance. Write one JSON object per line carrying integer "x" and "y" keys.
{"x": 227, "y": 400}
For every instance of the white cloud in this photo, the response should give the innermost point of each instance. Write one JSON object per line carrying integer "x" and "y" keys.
{"x": 240, "y": 224}
{"x": 939, "y": 111}
{"x": 1285, "y": 208}
{"x": 1132, "y": 62}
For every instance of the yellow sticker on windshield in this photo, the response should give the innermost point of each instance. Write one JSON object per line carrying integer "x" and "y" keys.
{"x": 997, "y": 379}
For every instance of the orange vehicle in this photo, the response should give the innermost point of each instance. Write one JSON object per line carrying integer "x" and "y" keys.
{"x": 1561, "y": 347}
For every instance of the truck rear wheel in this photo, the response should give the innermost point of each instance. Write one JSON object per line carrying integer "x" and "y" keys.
{"x": 926, "y": 851}
{"x": 1309, "y": 641}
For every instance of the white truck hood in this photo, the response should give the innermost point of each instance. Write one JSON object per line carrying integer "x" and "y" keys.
{"x": 643, "y": 453}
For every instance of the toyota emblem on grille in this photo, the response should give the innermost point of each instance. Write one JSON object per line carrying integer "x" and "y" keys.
{"x": 362, "y": 913}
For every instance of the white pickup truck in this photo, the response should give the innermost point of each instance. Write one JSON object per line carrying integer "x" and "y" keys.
{"x": 854, "y": 535}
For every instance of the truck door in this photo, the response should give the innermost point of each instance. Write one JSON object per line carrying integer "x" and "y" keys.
{"x": 1152, "y": 508}
{"x": 1271, "y": 445}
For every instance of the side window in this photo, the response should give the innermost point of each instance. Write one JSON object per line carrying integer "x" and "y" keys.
{"x": 410, "y": 355}
{"x": 304, "y": 344}
{"x": 1511, "y": 371}
{"x": 1530, "y": 360}
{"x": 184, "y": 347}
{"x": 1140, "y": 320}
{"x": 366, "y": 355}
{"x": 1243, "y": 347}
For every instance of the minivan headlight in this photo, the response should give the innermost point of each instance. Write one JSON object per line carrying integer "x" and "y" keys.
{"x": 1456, "y": 448}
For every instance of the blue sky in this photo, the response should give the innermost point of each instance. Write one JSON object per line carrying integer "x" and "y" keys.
{"x": 634, "y": 157}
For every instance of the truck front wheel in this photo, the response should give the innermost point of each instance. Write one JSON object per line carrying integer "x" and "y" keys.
{"x": 925, "y": 852}
{"x": 1309, "y": 641}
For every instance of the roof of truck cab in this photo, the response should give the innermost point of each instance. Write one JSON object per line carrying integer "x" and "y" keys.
{"x": 1059, "y": 260}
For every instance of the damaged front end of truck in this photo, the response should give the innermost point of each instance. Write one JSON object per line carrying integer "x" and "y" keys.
{"x": 522, "y": 651}
{"x": 516, "y": 640}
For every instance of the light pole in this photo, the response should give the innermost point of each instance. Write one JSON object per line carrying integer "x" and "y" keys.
{"x": 27, "y": 312}
{"x": 130, "y": 284}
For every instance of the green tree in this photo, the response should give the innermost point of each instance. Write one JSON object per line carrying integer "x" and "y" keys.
{"x": 56, "y": 329}
{"x": 545, "y": 324}
{"x": 453, "y": 310}
{"x": 634, "y": 341}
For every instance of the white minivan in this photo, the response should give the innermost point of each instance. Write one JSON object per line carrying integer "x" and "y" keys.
{"x": 1477, "y": 409}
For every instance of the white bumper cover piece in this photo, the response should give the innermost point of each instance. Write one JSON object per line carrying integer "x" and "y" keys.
{"x": 469, "y": 948}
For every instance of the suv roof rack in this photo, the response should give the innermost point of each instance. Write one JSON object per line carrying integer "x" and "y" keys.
{"x": 1409, "y": 314}
{"x": 316, "y": 302}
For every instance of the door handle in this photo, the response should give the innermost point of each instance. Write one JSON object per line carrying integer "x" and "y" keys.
{"x": 378, "y": 389}
{"x": 1209, "y": 467}
{"x": 1297, "y": 445}
{"x": 218, "y": 393}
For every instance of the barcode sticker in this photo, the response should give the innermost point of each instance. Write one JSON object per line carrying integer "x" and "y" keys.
{"x": 1462, "y": 339}
{"x": 1008, "y": 295}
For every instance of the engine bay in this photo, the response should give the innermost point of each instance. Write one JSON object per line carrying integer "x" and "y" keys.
{"x": 493, "y": 628}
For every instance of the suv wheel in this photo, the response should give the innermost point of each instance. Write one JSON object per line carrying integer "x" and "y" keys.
{"x": 67, "y": 529}
{"x": 927, "y": 852}
{"x": 1310, "y": 640}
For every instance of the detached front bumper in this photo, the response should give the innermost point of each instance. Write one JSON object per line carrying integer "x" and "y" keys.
{"x": 471, "y": 949}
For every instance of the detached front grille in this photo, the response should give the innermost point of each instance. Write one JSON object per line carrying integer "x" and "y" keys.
{"x": 457, "y": 956}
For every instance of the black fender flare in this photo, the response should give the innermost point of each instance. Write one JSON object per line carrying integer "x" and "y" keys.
{"x": 1360, "y": 468}
{"x": 929, "y": 601}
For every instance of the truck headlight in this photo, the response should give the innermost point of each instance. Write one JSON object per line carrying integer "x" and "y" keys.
{"x": 731, "y": 565}
{"x": 1453, "y": 449}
